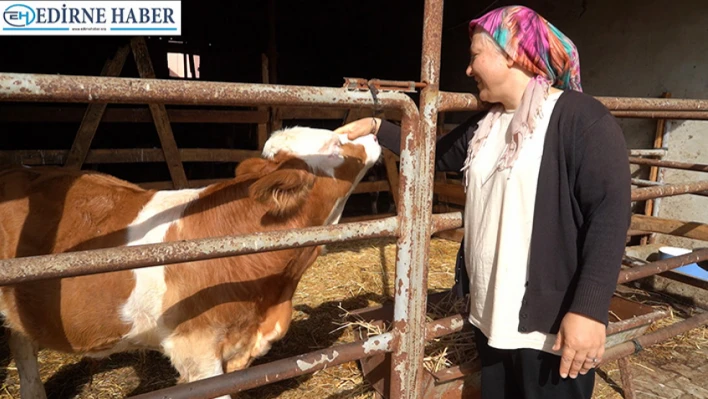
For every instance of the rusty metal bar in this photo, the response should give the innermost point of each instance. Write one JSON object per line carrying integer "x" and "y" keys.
{"x": 659, "y": 152}
{"x": 669, "y": 164}
{"x": 649, "y": 183}
{"x": 662, "y": 334}
{"x": 445, "y": 326}
{"x": 278, "y": 370}
{"x": 668, "y": 190}
{"x": 689, "y": 115}
{"x": 450, "y": 101}
{"x": 446, "y": 221}
{"x": 65, "y": 88}
{"x": 653, "y": 104}
{"x": 382, "y": 85}
{"x": 661, "y": 266}
{"x": 415, "y": 217}
{"x": 124, "y": 258}
{"x": 634, "y": 322}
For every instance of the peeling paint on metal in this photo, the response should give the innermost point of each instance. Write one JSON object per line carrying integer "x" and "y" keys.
{"x": 123, "y": 258}
{"x": 304, "y": 366}
{"x": 378, "y": 343}
{"x": 456, "y": 323}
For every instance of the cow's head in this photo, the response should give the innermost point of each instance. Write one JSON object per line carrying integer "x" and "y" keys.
{"x": 298, "y": 160}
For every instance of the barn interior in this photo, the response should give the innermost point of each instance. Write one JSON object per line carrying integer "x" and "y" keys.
{"x": 634, "y": 49}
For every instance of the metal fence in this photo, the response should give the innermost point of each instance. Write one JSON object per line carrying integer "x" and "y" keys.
{"x": 413, "y": 225}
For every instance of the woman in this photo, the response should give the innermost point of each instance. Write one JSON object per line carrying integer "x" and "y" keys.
{"x": 547, "y": 208}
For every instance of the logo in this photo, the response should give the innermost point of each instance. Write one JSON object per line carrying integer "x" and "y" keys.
{"x": 19, "y": 15}
{"x": 91, "y": 17}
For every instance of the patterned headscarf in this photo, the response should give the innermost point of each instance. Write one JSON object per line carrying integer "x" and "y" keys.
{"x": 532, "y": 42}
{"x": 538, "y": 47}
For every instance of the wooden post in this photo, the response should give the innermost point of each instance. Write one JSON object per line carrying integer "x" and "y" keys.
{"x": 392, "y": 175}
{"x": 159, "y": 115}
{"x": 626, "y": 377}
{"x": 94, "y": 113}
{"x": 654, "y": 171}
{"x": 263, "y": 127}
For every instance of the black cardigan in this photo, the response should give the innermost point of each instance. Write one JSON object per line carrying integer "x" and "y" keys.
{"x": 582, "y": 210}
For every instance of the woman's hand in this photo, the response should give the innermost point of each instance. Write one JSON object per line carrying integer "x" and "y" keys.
{"x": 582, "y": 341}
{"x": 360, "y": 127}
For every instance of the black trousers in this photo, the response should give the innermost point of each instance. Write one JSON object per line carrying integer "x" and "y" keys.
{"x": 527, "y": 374}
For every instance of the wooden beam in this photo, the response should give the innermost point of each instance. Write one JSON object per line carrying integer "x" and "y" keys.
{"x": 159, "y": 114}
{"x": 454, "y": 192}
{"x": 451, "y": 235}
{"x": 371, "y": 187}
{"x": 654, "y": 170}
{"x": 263, "y": 127}
{"x": 133, "y": 155}
{"x": 94, "y": 114}
{"x": 37, "y": 114}
{"x": 678, "y": 228}
{"x": 392, "y": 175}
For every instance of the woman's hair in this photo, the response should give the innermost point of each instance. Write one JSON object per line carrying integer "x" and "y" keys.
{"x": 488, "y": 40}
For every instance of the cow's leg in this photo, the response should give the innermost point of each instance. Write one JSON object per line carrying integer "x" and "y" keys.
{"x": 24, "y": 351}
{"x": 194, "y": 358}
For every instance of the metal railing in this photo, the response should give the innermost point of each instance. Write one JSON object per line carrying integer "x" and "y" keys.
{"x": 413, "y": 225}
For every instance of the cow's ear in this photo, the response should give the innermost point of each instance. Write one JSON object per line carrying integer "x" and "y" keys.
{"x": 283, "y": 191}
{"x": 255, "y": 167}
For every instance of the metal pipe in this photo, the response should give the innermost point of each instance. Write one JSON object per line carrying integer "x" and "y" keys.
{"x": 668, "y": 190}
{"x": 660, "y": 152}
{"x": 636, "y": 321}
{"x": 123, "y": 258}
{"x": 649, "y": 183}
{"x": 653, "y": 104}
{"x": 91, "y": 89}
{"x": 661, "y": 266}
{"x": 662, "y": 334}
{"x": 415, "y": 217}
{"x": 446, "y": 221}
{"x": 445, "y": 326}
{"x": 278, "y": 370}
{"x": 669, "y": 164}
{"x": 687, "y": 115}
{"x": 450, "y": 101}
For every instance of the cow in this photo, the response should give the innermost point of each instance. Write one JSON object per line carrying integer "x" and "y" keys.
{"x": 208, "y": 317}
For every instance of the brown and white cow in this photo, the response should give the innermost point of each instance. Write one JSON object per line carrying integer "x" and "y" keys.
{"x": 208, "y": 317}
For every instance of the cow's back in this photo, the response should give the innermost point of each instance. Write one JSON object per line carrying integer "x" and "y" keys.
{"x": 51, "y": 210}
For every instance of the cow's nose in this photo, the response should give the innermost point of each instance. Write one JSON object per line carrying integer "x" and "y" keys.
{"x": 376, "y": 140}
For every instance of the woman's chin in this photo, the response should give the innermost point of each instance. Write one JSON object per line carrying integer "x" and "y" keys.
{"x": 484, "y": 95}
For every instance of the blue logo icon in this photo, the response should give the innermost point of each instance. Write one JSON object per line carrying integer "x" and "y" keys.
{"x": 19, "y": 15}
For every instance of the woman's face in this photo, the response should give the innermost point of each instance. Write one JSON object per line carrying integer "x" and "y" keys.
{"x": 488, "y": 66}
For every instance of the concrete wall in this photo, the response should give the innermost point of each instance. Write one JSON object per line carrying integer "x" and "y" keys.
{"x": 629, "y": 48}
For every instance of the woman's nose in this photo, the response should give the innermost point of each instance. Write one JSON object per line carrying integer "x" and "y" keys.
{"x": 469, "y": 71}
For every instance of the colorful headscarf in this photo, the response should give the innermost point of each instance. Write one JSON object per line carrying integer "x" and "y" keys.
{"x": 534, "y": 43}
{"x": 538, "y": 47}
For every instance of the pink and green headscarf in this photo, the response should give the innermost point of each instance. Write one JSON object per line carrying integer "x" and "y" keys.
{"x": 533, "y": 43}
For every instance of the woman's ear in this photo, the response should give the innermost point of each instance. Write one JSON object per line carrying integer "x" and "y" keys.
{"x": 509, "y": 61}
